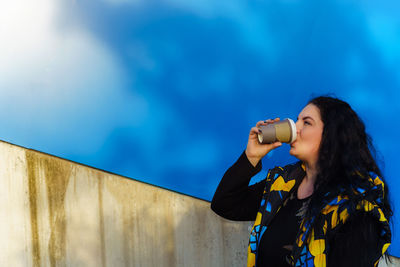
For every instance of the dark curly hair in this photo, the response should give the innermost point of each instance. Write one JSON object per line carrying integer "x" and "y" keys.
{"x": 346, "y": 156}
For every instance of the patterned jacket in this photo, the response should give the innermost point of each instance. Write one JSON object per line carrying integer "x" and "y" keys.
{"x": 311, "y": 248}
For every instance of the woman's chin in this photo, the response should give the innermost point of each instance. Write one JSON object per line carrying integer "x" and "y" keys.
{"x": 292, "y": 152}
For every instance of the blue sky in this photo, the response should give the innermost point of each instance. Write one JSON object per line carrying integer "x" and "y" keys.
{"x": 166, "y": 91}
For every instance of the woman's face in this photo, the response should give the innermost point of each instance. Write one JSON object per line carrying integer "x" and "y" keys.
{"x": 309, "y": 134}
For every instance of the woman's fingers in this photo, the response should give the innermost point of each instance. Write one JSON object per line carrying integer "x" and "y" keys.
{"x": 266, "y": 122}
{"x": 260, "y": 123}
{"x": 276, "y": 144}
{"x": 255, "y": 130}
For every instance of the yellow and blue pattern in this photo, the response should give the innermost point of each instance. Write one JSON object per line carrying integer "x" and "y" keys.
{"x": 310, "y": 247}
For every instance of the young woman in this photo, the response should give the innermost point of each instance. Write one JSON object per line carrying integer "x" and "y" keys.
{"x": 330, "y": 208}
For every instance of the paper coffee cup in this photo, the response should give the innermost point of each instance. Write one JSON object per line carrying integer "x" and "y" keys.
{"x": 283, "y": 131}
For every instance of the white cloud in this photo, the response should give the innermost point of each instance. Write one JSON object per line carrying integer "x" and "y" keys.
{"x": 58, "y": 87}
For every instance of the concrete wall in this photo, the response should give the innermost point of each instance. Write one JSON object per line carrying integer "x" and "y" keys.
{"x": 54, "y": 212}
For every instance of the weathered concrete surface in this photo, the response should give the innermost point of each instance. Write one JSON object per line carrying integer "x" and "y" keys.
{"x": 58, "y": 213}
{"x": 54, "y": 212}
{"x": 395, "y": 262}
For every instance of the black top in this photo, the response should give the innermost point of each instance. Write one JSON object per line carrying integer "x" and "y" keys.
{"x": 234, "y": 199}
{"x": 277, "y": 243}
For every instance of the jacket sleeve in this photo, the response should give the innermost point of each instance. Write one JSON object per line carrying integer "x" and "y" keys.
{"x": 234, "y": 199}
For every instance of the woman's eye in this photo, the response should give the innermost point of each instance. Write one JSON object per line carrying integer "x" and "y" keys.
{"x": 307, "y": 123}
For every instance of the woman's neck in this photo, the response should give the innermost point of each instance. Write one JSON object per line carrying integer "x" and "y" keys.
{"x": 306, "y": 187}
{"x": 311, "y": 172}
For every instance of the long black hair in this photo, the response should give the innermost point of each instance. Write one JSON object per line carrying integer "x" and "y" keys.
{"x": 346, "y": 156}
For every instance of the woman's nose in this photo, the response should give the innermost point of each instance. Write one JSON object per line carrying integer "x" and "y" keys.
{"x": 297, "y": 127}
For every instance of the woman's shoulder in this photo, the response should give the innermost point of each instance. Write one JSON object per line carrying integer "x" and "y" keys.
{"x": 290, "y": 169}
{"x": 362, "y": 207}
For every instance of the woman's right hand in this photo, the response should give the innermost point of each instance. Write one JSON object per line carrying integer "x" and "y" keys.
{"x": 255, "y": 151}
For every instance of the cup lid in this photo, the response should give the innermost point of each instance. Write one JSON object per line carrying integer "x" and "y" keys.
{"x": 293, "y": 129}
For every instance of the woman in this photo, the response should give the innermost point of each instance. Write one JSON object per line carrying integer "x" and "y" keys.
{"x": 330, "y": 208}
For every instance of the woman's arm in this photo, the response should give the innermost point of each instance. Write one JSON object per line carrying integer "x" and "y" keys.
{"x": 234, "y": 199}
